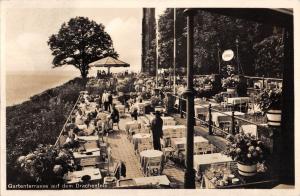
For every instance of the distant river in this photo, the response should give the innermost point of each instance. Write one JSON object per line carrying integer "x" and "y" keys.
{"x": 20, "y": 86}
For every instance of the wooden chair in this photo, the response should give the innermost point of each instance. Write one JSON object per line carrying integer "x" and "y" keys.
{"x": 153, "y": 167}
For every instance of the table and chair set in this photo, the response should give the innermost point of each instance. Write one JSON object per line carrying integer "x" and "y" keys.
{"x": 93, "y": 154}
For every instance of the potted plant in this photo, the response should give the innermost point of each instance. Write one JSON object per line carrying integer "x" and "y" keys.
{"x": 270, "y": 103}
{"x": 247, "y": 151}
{"x": 230, "y": 83}
{"x": 208, "y": 81}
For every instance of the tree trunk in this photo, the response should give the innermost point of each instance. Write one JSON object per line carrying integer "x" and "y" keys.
{"x": 83, "y": 72}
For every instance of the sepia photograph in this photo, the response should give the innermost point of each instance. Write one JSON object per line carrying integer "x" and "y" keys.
{"x": 147, "y": 97}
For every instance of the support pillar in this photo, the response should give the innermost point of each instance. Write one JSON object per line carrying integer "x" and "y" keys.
{"x": 189, "y": 175}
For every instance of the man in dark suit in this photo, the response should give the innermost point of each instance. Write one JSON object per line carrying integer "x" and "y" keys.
{"x": 156, "y": 128}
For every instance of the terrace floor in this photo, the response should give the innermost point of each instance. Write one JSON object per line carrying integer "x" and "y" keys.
{"x": 122, "y": 149}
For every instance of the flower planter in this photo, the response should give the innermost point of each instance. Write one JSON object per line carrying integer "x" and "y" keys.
{"x": 274, "y": 117}
{"x": 247, "y": 170}
{"x": 231, "y": 90}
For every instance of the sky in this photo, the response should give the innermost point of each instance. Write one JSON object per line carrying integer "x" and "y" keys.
{"x": 28, "y": 29}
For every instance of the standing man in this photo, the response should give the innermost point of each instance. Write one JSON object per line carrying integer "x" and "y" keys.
{"x": 156, "y": 128}
{"x": 105, "y": 100}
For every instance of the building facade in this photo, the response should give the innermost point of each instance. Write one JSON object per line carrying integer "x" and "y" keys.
{"x": 149, "y": 42}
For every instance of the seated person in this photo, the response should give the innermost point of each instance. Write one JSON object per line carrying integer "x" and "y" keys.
{"x": 71, "y": 141}
{"x": 82, "y": 105}
{"x": 134, "y": 114}
{"x": 114, "y": 116}
{"x": 80, "y": 118}
{"x": 90, "y": 128}
{"x": 102, "y": 120}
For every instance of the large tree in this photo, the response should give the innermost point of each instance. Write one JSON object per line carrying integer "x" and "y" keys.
{"x": 166, "y": 39}
{"x": 212, "y": 29}
{"x": 79, "y": 42}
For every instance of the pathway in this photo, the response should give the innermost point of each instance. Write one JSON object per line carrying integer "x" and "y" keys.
{"x": 123, "y": 150}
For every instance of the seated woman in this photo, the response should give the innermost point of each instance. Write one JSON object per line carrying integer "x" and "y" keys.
{"x": 71, "y": 141}
{"x": 91, "y": 127}
{"x": 80, "y": 118}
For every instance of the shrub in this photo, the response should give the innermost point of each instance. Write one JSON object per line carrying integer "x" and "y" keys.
{"x": 38, "y": 121}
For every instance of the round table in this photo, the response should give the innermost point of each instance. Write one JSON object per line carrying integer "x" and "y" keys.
{"x": 132, "y": 124}
{"x": 150, "y": 155}
{"x": 139, "y": 138}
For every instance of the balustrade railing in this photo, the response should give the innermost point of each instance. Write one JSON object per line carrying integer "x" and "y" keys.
{"x": 60, "y": 139}
{"x": 212, "y": 128}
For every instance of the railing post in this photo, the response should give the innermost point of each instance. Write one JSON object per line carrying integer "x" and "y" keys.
{"x": 263, "y": 81}
{"x": 232, "y": 124}
{"x": 210, "y": 132}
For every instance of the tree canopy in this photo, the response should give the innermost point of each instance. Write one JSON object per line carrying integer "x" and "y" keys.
{"x": 260, "y": 47}
{"x": 79, "y": 42}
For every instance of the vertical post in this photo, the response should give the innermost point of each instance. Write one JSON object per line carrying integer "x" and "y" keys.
{"x": 189, "y": 175}
{"x": 232, "y": 123}
{"x": 170, "y": 70}
{"x": 237, "y": 54}
{"x": 263, "y": 81}
{"x": 174, "y": 60}
{"x": 218, "y": 48}
{"x": 156, "y": 44}
{"x": 210, "y": 132}
{"x": 287, "y": 131}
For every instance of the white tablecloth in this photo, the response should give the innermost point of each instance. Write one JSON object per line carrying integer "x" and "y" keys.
{"x": 89, "y": 138}
{"x": 167, "y": 120}
{"x": 203, "y": 161}
{"x": 120, "y": 107}
{"x": 75, "y": 177}
{"x": 91, "y": 141}
{"x": 160, "y": 109}
{"x": 238, "y": 100}
{"x": 179, "y": 143}
{"x": 140, "y": 106}
{"x": 221, "y": 117}
{"x": 88, "y": 160}
{"x": 140, "y": 138}
{"x": 150, "y": 155}
{"x": 161, "y": 180}
{"x": 174, "y": 131}
{"x": 203, "y": 108}
{"x": 132, "y": 125}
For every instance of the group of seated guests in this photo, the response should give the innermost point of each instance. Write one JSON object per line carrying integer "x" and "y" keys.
{"x": 89, "y": 120}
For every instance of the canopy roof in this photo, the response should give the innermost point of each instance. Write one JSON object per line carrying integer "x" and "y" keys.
{"x": 108, "y": 62}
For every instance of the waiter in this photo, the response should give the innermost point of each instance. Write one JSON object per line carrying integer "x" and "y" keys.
{"x": 156, "y": 128}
